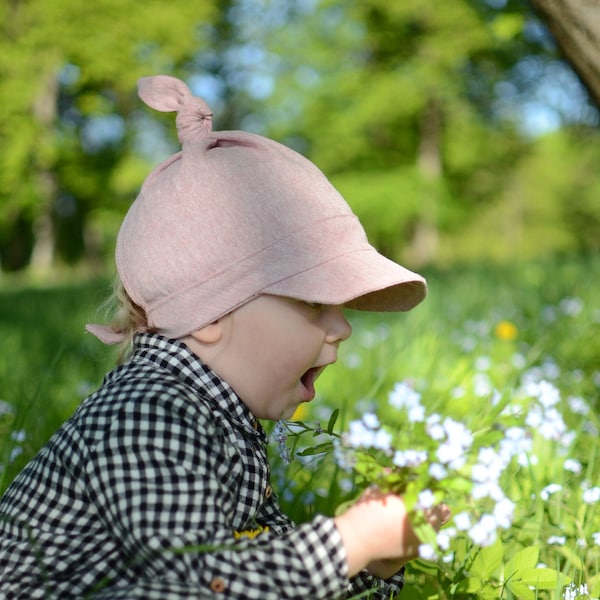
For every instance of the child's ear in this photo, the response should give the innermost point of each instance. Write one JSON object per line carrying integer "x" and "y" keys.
{"x": 209, "y": 334}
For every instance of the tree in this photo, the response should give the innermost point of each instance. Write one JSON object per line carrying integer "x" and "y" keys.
{"x": 575, "y": 25}
{"x": 413, "y": 109}
{"x": 67, "y": 90}
{"x": 408, "y": 90}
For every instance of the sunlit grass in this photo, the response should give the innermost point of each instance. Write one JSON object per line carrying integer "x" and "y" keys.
{"x": 480, "y": 332}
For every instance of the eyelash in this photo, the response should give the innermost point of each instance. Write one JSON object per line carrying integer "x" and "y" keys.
{"x": 315, "y": 305}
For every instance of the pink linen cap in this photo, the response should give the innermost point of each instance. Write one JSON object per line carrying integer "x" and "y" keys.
{"x": 234, "y": 215}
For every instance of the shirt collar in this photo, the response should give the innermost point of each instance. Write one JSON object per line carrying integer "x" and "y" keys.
{"x": 176, "y": 357}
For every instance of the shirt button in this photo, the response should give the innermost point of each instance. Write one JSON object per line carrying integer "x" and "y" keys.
{"x": 255, "y": 424}
{"x": 268, "y": 492}
{"x": 218, "y": 585}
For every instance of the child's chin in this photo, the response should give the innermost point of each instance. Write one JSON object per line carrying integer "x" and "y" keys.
{"x": 289, "y": 413}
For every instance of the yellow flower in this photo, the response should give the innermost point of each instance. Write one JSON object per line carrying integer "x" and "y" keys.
{"x": 300, "y": 412}
{"x": 506, "y": 331}
{"x": 251, "y": 533}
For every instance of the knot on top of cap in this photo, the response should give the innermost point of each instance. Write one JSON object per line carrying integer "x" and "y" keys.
{"x": 169, "y": 94}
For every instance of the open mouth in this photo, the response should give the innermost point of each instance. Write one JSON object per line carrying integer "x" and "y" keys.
{"x": 308, "y": 381}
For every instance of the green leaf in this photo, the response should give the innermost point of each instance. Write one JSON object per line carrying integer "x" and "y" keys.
{"x": 488, "y": 560}
{"x": 318, "y": 449}
{"x": 426, "y": 533}
{"x": 332, "y": 420}
{"x": 526, "y": 558}
{"x": 542, "y": 578}
{"x": 594, "y": 585}
{"x": 521, "y": 590}
{"x": 572, "y": 557}
{"x": 470, "y": 585}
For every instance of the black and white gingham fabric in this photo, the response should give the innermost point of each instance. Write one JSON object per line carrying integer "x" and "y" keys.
{"x": 139, "y": 494}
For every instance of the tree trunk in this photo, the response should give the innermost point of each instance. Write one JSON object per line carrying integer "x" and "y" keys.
{"x": 44, "y": 110}
{"x": 424, "y": 245}
{"x": 575, "y": 24}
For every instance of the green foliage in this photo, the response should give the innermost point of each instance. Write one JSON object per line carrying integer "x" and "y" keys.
{"x": 68, "y": 69}
{"x": 47, "y": 365}
{"x": 498, "y": 327}
{"x": 498, "y": 322}
{"x": 410, "y": 119}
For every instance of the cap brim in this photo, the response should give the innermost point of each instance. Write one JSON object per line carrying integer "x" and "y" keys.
{"x": 361, "y": 280}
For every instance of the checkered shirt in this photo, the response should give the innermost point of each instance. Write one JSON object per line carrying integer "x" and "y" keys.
{"x": 139, "y": 494}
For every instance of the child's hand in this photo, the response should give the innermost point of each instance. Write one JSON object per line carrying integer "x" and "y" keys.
{"x": 377, "y": 533}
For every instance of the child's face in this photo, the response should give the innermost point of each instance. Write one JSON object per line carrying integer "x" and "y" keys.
{"x": 273, "y": 349}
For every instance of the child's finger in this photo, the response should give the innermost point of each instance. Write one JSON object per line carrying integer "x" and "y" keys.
{"x": 438, "y": 515}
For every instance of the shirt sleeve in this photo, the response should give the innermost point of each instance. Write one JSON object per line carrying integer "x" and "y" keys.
{"x": 162, "y": 486}
{"x": 381, "y": 589}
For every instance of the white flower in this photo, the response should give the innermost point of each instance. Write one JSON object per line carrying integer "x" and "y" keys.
{"x": 370, "y": 420}
{"x": 451, "y": 454}
{"x": 516, "y": 440}
{"x": 346, "y": 485}
{"x": 571, "y": 306}
{"x": 553, "y": 426}
{"x": 566, "y": 439}
{"x": 592, "y": 495}
{"x": 437, "y": 471}
{"x": 363, "y": 434}
{"x": 550, "y": 489}
{"x": 483, "y": 363}
{"x": 578, "y": 405}
{"x": 596, "y": 538}
{"x": 550, "y": 369}
{"x": 458, "y": 392}
{"x": 559, "y": 540}
{"x": 15, "y": 452}
{"x": 457, "y": 432}
{"x": 427, "y": 552}
{"x": 482, "y": 385}
{"x": 6, "y": 408}
{"x": 489, "y": 489}
{"x": 425, "y": 499}
{"x": 404, "y": 396}
{"x": 358, "y": 435}
{"x": 534, "y": 417}
{"x": 544, "y": 391}
{"x": 409, "y": 458}
{"x": 504, "y": 512}
{"x": 462, "y": 521}
{"x": 416, "y": 414}
{"x": 518, "y": 361}
{"x": 526, "y": 460}
{"x": 18, "y": 435}
{"x": 572, "y": 591}
{"x": 434, "y": 428}
{"x": 443, "y": 540}
{"x": 382, "y": 440}
{"x": 483, "y": 533}
{"x": 572, "y": 465}
{"x": 353, "y": 360}
{"x": 490, "y": 466}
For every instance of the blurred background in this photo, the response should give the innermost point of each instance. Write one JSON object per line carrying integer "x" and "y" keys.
{"x": 464, "y": 133}
{"x": 460, "y": 132}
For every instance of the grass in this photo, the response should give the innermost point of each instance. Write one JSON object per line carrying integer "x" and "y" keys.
{"x": 48, "y": 364}
{"x": 494, "y": 326}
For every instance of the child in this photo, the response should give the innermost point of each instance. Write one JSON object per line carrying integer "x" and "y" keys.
{"x": 235, "y": 262}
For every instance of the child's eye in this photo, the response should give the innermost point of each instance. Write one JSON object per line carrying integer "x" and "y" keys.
{"x": 315, "y": 305}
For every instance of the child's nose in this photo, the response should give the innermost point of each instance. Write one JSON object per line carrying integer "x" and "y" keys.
{"x": 338, "y": 328}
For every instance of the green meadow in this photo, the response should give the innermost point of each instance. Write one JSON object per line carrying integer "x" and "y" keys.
{"x": 483, "y": 337}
